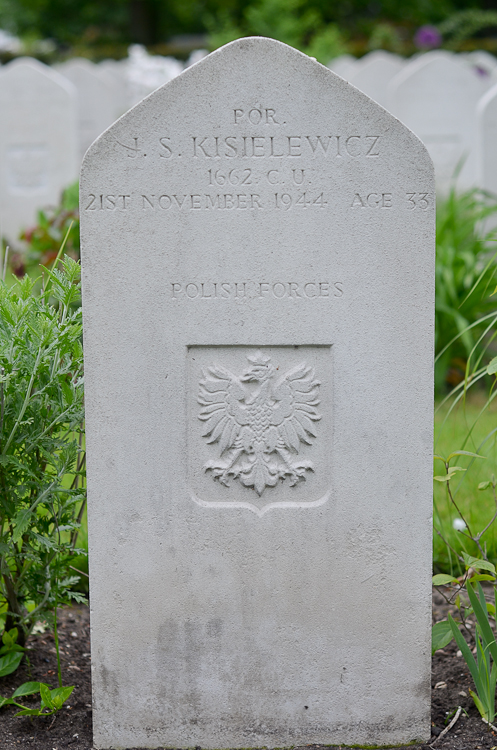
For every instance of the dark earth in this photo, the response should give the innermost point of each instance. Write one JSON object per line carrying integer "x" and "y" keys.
{"x": 72, "y": 728}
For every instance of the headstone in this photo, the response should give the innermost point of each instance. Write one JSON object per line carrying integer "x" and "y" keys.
{"x": 436, "y": 96}
{"x": 115, "y": 74}
{"x": 373, "y": 73}
{"x": 483, "y": 65}
{"x": 148, "y": 72}
{"x": 343, "y": 65}
{"x": 38, "y": 142}
{"x": 487, "y": 151}
{"x": 258, "y": 252}
{"x": 96, "y": 105}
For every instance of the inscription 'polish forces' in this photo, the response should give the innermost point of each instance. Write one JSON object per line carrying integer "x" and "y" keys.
{"x": 276, "y": 290}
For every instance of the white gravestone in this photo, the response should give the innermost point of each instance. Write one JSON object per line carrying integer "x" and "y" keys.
{"x": 373, "y": 73}
{"x": 258, "y": 251}
{"x": 96, "y": 104}
{"x": 114, "y": 73}
{"x": 343, "y": 65}
{"x": 487, "y": 142}
{"x": 483, "y": 65}
{"x": 38, "y": 142}
{"x": 436, "y": 96}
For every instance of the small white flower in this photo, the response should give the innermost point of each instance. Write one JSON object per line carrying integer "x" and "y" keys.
{"x": 458, "y": 524}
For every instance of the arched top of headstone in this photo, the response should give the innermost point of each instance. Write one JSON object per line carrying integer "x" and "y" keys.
{"x": 28, "y": 68}
{"x": 434, "y": 66}
{"x": 79, "y": 69}
{"x": 291, "y": 93}
{"x": 382, "y": 55}
{"x": 374, "y": 72}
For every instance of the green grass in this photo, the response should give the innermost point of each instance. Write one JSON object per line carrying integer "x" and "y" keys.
{"x": 466, "y": 427}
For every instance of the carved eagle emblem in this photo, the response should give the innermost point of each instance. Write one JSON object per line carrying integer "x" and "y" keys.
{"x": 258, "y": 421}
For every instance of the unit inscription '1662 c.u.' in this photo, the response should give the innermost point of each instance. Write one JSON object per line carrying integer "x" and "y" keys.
{"x": 258, "y": 428}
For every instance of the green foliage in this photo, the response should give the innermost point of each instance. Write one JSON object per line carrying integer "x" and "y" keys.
{"x": 441, "y": 632}
{"x": 290, "y": 21}
{"x": 11, "y": 652}
{"x": 466, "y": 24}
{"x": 106, "y": 28}
{"x": 41, "y": 460}
{"x": 327, "y": 44}
{"x": 477, "y": 568}
{"x": 51, "y": 700}
{"x": 467, "y": 418}
{"x": 483, "y": 668}
{"x": 465, "y": 282}
{"x": 386, "y": 36}
{"x": 54, "y": 225}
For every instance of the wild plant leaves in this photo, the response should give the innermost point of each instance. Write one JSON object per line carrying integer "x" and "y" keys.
{"x": 41, "y": 461}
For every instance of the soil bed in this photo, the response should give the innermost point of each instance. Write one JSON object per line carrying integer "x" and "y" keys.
{"x": 71, "y": 727}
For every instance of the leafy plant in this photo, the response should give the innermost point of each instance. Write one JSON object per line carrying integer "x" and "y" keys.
{"x": 288, "y": 21}
{"x": 55, "y": 225}
{"x": 41, "y": 458}
{"x": 51, "y": 700}
{"x": 465, "y": 282}
{"x": 465, "y": 24}
{"x": 468, "y": 413}
{"x": 11, "y": 652}
{"x": 482, "y": 666}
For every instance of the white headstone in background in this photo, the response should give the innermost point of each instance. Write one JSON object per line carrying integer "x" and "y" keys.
{"x": 96, "y": 105}
{"x": 196, "y": 56}
{"x": 343, "y": 66}
{"x": 258, "y": 264}
{"x": 483, "y": 66}
{"x": 373, "y": 73}
{"x": 38, "y": 142}
{"x": 148, "y": 72}
{"x": 436, "y": 96}
{"x": 115, "y": 74}
{"x": 487, "y": 141}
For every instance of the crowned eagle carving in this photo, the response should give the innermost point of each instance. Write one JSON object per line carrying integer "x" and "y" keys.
{"x": 258, "y": 429}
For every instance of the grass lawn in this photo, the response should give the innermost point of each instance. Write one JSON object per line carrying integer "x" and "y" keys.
{"x": 467, "y": 427}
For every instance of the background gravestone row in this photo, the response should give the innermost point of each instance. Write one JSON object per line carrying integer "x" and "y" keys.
{"x": 448, "y": 100}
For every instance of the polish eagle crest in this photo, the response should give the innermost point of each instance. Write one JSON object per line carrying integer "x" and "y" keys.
{"x": 258, "y": 429}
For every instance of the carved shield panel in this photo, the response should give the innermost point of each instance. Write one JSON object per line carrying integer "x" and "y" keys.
{"x": 260, "y": 426}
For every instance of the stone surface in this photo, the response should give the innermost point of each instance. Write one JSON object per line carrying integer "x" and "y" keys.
{"x": 484, "y": 66}
{"x": 373, "y": 73}
{"x": 258, "y": 263}
{"x": 487, "y": 151}
{"x": 38, "y": 142}
{"x": 436, "y": 96}
{"x": 96, "y": 103}
{"x": 114, "y": 73}
{"x": 343, "y": 65}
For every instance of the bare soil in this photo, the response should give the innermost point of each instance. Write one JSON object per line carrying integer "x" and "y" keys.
{"x": 72, "y": 727}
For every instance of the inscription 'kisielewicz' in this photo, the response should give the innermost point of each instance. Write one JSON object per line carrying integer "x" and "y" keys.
{"x": 279, "y": 146}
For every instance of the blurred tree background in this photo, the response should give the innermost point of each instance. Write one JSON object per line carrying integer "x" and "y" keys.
{"x": 105, "y": 28}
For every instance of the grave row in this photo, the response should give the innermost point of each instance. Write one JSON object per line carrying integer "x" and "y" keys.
{"x": 52, "y": 115}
